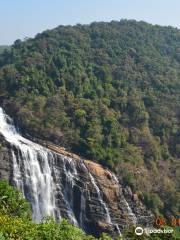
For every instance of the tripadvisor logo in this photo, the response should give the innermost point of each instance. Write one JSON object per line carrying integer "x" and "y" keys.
{"x": 139, "y": 231}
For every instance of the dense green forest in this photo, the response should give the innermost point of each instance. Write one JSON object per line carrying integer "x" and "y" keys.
{"x": 109, "y": 92}
{"x": 3, "y": 48}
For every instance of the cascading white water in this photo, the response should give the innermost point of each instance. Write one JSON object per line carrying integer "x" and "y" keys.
{"x": 31, "y": 170}
{"x": 71, "y": 175}
{"x": 51, "y": 181}
{"x": 108, "y": 218}
{"x": 130, "y": 213}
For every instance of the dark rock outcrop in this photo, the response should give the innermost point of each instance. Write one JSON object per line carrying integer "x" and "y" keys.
{"x": 5, "y": 160}
{"x": 87, "y": 194}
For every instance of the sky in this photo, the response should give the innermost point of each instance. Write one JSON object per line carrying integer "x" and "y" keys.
{"x": 26, "y": 18}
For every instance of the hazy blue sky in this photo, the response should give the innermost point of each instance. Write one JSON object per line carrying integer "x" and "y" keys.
{"x": 21, "y": 18}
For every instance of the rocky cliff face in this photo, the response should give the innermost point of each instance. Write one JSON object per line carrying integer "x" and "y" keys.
{"x": 5, "y": 160}
{"x": 64, "y": 185}
{"x": 82, "y": 196}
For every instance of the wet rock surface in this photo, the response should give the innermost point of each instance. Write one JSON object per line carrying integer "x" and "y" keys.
{"x": 62, "y": 184}
{"x": 5, "y": 160}
{"x": 87, "y": 194}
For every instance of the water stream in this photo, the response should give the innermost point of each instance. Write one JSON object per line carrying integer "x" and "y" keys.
{"x": 48, "y": 184}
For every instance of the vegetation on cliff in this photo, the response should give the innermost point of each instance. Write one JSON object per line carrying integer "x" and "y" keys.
{"x": 108, "y": 91}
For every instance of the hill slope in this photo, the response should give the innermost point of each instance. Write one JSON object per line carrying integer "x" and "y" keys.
{"x": 108, "y": 91}
{"x": 3, "y": 47}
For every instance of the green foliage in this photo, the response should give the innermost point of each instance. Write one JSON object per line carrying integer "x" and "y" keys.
{"x": 103, "y": 76}
{"x": 17, "y": 228}
{"x": 12, "y": 202}
{"x": 153, "y": 202}
{"x": 4, "y": 48}
{"x": 128, "y": 178}
{"x": 107, "y": 91}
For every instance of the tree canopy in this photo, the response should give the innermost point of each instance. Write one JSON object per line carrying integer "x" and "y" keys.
{"x": 107, "y": 91}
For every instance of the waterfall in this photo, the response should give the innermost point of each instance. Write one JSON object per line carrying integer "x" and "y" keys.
{"x": 71, "y": 175}
{"x": 131, "y": 215}
{"x": 31, "y": 170}
{"x": 57, "y": 185}
{"x": 108, "y": 218}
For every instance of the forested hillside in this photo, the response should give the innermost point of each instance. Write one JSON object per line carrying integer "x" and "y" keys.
{"x": 109, "y": 92}
{"x": 3, "y": 48}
